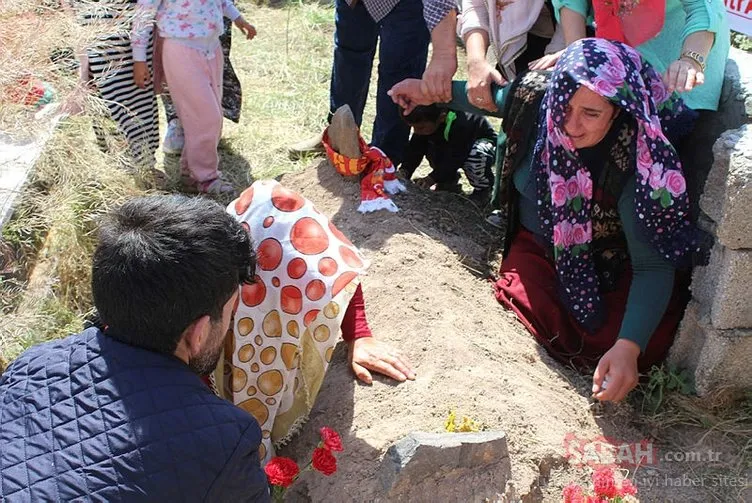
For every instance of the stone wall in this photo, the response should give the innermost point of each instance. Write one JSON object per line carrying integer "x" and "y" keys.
{"x": 715, "y": 337}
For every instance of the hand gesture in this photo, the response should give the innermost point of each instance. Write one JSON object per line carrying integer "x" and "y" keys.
{"x": 367, "y": 353}
{"x": 546, "y": 62}
{"x": 683, "y": 75}
{"x": 408, "y": 94}
{"x": 437, "y": 79}
{"x": 618, "y": 368}
{"x": 480, "y": 76}
{"x": 247, "y": 28}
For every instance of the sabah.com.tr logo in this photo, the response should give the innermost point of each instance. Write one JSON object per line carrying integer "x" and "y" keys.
{"x": 603, "y": 451}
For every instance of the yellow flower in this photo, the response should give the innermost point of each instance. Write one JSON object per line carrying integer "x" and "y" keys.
{"x": 468, "y": 425}
{"x": 452, "y": 425}
{"x": 449, "y": 423}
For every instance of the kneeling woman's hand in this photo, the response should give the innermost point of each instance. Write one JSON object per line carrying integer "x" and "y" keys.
{"x": 367, "y": 353}
{"x": 619, "y": 366}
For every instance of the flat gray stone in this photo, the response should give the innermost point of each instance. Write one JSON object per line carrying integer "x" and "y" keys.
{"x": 727, "y": 198}
{"x": 450, "y": 466}
{"x": 715, "y": 357}
{"x": 724, "y": 288}
{"x": 17, "y": 159}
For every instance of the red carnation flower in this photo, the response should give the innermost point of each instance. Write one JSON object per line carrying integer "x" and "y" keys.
{"x": 573, "y": 494}
{"x": 628, "y": 488}
{"x": 281, "y": 471}
{"x": 324, "y": 461}
{"x": 604, "y": 484}
{"x": 331, "y": 439}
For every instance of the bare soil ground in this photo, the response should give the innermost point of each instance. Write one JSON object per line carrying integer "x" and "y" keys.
{"x": 428, "y": 292}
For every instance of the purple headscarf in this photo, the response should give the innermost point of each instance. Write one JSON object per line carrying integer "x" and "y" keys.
{"x": 565, "y": 186}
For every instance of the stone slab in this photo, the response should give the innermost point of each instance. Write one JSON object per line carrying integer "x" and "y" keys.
{"x": 727, "y": 198}
{"x": 17, "y": 159}
{"x": 457, "y": 466}
{"x": 715, "y": 357}
{"x": 724, "y": 287}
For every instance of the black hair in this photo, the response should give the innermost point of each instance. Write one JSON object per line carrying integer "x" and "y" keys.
{"x": 423, "y": 113}
{"x": 162, "y": 262}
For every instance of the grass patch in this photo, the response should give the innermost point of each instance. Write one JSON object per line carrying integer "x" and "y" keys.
{"x": 720, "y": 421}
{"x": 46, "y": 292}
{"x": 46, "y": 249}
{"x": 741, "y": 41}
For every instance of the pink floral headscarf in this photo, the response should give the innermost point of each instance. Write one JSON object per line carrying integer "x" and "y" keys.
{"x": 565, "y": 187}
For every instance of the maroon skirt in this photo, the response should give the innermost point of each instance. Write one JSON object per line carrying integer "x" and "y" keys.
{"x": 528, "y": 286}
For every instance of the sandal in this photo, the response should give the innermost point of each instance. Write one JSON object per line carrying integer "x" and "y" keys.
{"x": 216, "y": 187}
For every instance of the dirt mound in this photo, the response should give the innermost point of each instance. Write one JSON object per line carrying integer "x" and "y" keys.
{"x": 427, "y": 292}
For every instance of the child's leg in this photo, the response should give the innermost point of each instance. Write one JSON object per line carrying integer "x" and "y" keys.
{"x": 134, "y": 110}
{"x": 170, "y": 112}
{"x": 478, "y": 166}
{"x": 445, "y": 176}
{"x": 195, "y": 84}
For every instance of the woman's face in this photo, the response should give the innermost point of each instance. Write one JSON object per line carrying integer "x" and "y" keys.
{"x": 588, "y": 118}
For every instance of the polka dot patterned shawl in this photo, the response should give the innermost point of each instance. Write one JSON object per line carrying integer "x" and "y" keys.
{"x": 288, "y": 321}
{"x": 564, "y": 184}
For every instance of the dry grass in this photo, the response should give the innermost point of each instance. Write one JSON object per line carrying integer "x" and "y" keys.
{"x": 720, "y": 421}
{"x": 73, "y": 184}
{"x": 44, "y": 279}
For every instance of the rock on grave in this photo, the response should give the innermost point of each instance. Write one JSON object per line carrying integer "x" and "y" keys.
{"x": 446, "y": 467}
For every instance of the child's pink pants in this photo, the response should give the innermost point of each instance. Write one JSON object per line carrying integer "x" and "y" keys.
{"x": 195, "y": 83}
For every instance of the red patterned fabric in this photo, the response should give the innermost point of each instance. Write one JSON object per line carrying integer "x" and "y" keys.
{"x": 528, "y": 286}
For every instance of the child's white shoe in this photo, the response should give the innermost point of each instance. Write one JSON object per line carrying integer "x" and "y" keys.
{"x": 174, "y": 138}
{"x": 217, "y": 187}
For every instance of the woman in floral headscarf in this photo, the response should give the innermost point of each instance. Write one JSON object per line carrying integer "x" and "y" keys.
{"x": 598, "y": 214}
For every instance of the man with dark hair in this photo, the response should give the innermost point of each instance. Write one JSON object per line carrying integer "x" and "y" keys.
{"x": 121, "y": 414}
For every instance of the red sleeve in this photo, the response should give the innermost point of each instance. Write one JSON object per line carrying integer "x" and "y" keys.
{"x": 354, "y": 324}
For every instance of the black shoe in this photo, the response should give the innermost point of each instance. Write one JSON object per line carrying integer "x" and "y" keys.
{"x": 453, "y": 186}
{"x": 480, "y": 197}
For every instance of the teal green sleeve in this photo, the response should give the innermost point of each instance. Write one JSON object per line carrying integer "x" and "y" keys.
{"x": 461, "y": 104}
{"x": 703, "y": 15}
{"x": 652, "y": 278}
{"x": 581, "y": 7}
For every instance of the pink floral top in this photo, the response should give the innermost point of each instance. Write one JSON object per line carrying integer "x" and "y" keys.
{"x": 182, "y": 19}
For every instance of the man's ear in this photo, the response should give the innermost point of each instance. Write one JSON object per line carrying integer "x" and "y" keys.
{"x": 193, "y": 337}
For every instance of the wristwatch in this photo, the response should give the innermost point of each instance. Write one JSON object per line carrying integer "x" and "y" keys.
{"x": 695, "y": 57}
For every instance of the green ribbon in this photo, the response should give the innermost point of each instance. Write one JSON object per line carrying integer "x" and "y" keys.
{"x": 451, "y": 116}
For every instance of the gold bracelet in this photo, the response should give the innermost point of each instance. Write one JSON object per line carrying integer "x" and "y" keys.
{"x": 696, "y": 57}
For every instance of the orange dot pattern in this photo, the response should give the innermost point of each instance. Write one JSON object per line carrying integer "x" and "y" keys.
{"x": 307, "y": 272}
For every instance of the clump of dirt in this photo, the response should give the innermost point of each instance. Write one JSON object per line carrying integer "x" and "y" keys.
{"x": 428, "y": 293}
